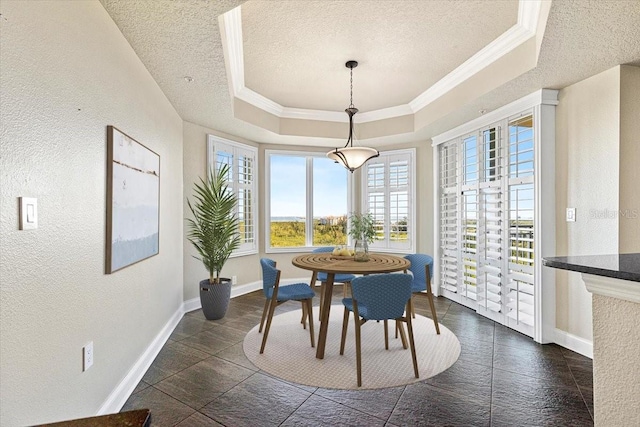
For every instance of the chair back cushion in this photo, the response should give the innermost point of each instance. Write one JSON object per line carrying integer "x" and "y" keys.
{"x": 324, "y": 249}
{"x": 269, "y": 275}
{"x": 384, "y": 295}
{"x": 418, "y": 262}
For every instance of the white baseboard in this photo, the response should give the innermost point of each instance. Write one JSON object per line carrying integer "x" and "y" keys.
{"x": 123, "y": 390}
{"x": 574, "y": 343}
{"x": 236, "y": 291}
{"x": 192, "y": 304}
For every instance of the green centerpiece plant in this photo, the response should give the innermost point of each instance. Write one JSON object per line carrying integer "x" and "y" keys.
{"x": 362, "y": 230}
{"x": 213, "y": 231}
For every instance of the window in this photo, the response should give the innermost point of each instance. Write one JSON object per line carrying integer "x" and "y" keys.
{"x": 307, "y": 201}
{"x": 242, "y": 160}
{"x": 520, "y": 294}
{"x": 448, "y": 227}
{"x": 388, "y": 194}
{"x": 494, "y": 278}
{"x": 495, "y": 215}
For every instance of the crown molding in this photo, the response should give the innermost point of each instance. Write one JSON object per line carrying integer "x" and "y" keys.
{"x": 322, "y": 115}
{"x": 233, "y": 47}
{"x": 525, "y": 28}
{"x": 529, "y": 13}
{"x": 384, "y": 113}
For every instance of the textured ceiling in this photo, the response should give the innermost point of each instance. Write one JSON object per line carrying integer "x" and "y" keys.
{"x": 179, "y": 38}
{"x": 294, "y": 53}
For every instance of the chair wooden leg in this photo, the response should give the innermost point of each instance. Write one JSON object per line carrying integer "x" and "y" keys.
{"x": 346, "y": 289}
{"x": 272, "y": 308}
{"x": 358, "y": 353}
{"x": 433, "y": 312}
{"x": 345, "y": 324}
{"x": 303, "y": 320}
{"x": 309, "y": 304}
{"x": 403, "y": 337}
{"x": 410, "y": 305}
{"x": 322, "y": 285}
{"x": 264, "y": 314}
{"x": 430, "y": 297}
{"x": 413, "y": 346}
{"x": 386, "y": 335}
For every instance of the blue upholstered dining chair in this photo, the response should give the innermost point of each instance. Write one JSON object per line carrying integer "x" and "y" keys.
{"x": 345, "y": 279}
{"x": 276, "y": 295}
{"x": 422, "y": 270}
{"x": 379, "y": 297}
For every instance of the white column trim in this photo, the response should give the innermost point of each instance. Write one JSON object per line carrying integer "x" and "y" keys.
{"x": 626, "y": 290}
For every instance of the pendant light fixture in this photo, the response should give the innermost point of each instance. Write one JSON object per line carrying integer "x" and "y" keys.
{"x": 349, "y": 156}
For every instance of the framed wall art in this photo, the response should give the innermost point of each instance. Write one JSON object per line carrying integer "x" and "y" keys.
{"x": 133, "y": 201}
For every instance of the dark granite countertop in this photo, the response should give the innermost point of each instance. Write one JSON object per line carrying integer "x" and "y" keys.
{"x": 135, "y": 418}
{"x": 618, "y": 266}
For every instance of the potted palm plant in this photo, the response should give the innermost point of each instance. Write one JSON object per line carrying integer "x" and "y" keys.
{"x": 362, "y": 230}
{"x": 213, "y": 231}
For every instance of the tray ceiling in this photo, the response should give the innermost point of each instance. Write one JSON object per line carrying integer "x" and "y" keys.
{"x": 293, "y": 55}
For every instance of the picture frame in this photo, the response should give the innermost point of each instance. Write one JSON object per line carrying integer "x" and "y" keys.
{"x": 133, "y": 201}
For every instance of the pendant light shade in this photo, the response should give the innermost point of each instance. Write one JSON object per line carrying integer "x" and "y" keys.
{"x": 352, "y": 157}
{"x": 349, "y": 156}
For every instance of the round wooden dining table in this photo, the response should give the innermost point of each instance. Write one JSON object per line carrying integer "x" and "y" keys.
{"x": 332, "y": 265}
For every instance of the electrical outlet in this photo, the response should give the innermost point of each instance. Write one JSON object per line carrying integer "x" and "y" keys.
{"x": 234, "y": 280}
{"x": 87, "y": 359}
{"x": 571, "y": 214}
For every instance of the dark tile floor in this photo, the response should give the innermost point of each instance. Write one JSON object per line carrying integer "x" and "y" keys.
{"x": 502, "y": 378}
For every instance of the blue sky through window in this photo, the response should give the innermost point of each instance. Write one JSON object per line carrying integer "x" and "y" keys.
{"x": 288, "y": 187}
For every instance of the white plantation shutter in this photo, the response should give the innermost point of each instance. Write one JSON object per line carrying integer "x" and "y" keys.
{"x": 399, "y": 203}
{"x": 389, "y": 194}
{"x": 515, "y": 212}
{"x": 246, "y": 191}
{"x": 469, "y": 217}
{"x": 486, "y": 235}
{"x": 490, "y": 228}
{"x": 468, "y": 257}
{"x": 376, "y": 205}
{"x": 448, "y": 183}
{"x": 520, "y": 299}
{"x": 242, "y": 160}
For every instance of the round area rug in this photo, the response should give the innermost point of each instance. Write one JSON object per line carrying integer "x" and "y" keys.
{"x": 289, "y": 355}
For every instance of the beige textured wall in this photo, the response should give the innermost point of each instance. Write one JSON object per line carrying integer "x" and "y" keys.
{"x": 67, "y": 72}
{"x": 195, "y": 166}
{"x": 629, "y": 215}
{"x": 616, "y": 367}
{"x": 587, "y": 171}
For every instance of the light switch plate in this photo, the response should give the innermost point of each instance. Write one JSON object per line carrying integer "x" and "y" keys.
{"x": 571, "y": 214}
{"x": 87, "y": 353}
{"x": 28, "y": 213}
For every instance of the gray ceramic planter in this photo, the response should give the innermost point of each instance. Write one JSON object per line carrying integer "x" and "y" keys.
{"x": 215, "y": 298}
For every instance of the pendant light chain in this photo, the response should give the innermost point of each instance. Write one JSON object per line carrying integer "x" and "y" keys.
{"x": 351, "y": 81}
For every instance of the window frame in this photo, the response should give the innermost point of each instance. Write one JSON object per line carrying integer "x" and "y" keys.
{"x": 309, "y": 156}
{"x": 385, "y": 245}
{"x": 542, "y": 104}
{"x": 214, "y": 145}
